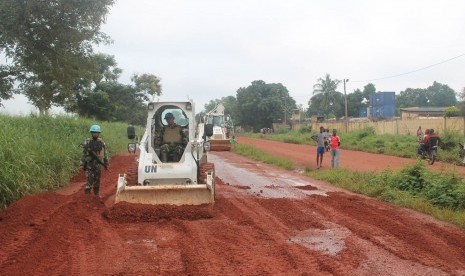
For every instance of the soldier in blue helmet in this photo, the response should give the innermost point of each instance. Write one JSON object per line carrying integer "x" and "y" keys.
{"x": 94, "y": 155}
{"x": 173, "y": 140}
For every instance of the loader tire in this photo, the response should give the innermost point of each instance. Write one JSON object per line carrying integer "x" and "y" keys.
{"x": 204, "y": 169}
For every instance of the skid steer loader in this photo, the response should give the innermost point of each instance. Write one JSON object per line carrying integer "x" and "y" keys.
{"x": 222, "y": 129}
{"x": 185, "y": 178}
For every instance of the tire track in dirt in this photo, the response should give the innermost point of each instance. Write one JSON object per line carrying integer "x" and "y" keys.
{"x": 405, "y": 238}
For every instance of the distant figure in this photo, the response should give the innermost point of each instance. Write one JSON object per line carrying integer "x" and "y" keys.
{"x": 335, "y": 143}
{"x": 320, "y": 150}
{"x": 232, "y": 141}
{"x": 419, "y": 134}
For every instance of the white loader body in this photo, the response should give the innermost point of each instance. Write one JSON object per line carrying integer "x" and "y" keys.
{"x": 178, "y": 180}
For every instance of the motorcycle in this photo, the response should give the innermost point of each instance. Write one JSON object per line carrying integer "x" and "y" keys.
{"x": 430, "y": 153}
{"x": 327, "y": 145}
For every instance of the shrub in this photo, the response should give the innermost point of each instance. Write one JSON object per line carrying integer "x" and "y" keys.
{"x": 305, "y": 129}
{"x": 368, "y": 131}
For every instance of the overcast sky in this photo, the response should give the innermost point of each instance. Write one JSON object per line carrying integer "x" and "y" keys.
{"x": 208, "y": 49}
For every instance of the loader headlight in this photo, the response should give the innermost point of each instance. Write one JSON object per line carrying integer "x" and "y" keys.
{"x": 206, "y": 146}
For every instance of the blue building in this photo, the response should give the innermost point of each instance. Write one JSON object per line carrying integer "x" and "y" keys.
{"x": 383, "y": 105}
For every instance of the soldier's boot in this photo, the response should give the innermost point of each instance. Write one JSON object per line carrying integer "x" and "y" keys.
{"x": 164, "y": 157}
{"x": 87, "y": 190}
{"x": 96, "y": 191}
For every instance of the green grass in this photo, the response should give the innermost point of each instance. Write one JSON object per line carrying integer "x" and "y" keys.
{"x": 441, "y": 195}
{"x": 42, "y": 153}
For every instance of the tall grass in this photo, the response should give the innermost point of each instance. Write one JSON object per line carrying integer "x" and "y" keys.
{"x": 42, "y": 153}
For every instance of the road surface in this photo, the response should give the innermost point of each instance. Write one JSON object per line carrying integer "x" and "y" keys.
{"x": 266, "y": 221}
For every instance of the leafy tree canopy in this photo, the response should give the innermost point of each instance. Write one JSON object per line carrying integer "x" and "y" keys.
{"x": 49, "y": 44}
{"x": 436, "y": 95}
{"x": 147, "y": 84}
{"x": 326, "y": 99}
{"x": 260, "y": 104}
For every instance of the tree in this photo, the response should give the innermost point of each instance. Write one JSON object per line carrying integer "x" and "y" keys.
{"x": 147, "y": 84}
{"x": 368, "y": 90}
{"x": 107, "y": 69}
{"x": 441, "y": 95}
{"x": 229, "y": 103}
{"x": 327, "y": 101}
{"x": 260, "y": 104}
{"x": 49, "y": 44}
{"x": 436, "y": 95}
{"x": 354, "y": 103}
{"x": 101, "y": 96}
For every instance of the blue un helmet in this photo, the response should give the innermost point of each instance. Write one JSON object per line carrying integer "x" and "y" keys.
{"x": 95, "y": 128}
{"x": 169, "y": 115}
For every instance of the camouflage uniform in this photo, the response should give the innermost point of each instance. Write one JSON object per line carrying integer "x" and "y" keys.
{"x": 91, "y": 165}
{"x": 173, "y": 141}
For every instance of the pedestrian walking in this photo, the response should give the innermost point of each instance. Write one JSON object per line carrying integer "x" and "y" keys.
{"x": 419, "y": 134}
{"x": 335, "y": 143}
{"x": 93, "y": 156}
{"x": 320, "y": 150}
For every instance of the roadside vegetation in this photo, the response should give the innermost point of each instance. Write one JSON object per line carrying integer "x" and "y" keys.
{"x": 366, "y": 140}
{"x": 439, "y": 194}
{"x": 42, "y": 153}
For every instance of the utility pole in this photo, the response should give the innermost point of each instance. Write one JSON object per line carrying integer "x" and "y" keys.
{"x": 345, "y": 99}
{"x": 285, "y": 115}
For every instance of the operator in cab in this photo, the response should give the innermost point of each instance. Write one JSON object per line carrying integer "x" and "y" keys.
{"x": 173, "y": 140}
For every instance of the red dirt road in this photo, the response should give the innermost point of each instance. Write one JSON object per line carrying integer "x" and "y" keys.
{"x": 266, "y": 221}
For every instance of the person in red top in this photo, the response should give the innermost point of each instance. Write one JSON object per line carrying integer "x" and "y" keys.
{"x": 422, "y": 147}
{"x": 433, "y": 139}
{"x": 335, "y": 143}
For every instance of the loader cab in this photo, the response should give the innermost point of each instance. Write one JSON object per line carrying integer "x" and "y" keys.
{"x": 216, "y": 120}
{"x": 159, "y": 123}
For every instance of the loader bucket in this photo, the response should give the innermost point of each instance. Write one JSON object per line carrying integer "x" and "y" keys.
{"x": 220, "y": 145}
{"x": 195, "y": 194}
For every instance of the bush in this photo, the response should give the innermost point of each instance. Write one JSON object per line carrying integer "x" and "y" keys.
{"x": 452, "y": 111}
{"x": 368, "y": 131}
{"x": 305, "y": 129}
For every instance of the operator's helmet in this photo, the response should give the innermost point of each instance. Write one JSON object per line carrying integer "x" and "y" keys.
{"x": 169, "y": 115}
{"x": 95, "y": 128}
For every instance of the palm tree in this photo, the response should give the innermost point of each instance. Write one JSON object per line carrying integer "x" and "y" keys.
{"x": 327, "y": 88}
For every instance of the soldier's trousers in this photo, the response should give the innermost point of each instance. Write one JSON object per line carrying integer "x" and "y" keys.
{"x": 93, "y": 174}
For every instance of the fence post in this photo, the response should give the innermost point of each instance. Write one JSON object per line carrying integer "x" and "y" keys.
{"x": 444, "y": 128}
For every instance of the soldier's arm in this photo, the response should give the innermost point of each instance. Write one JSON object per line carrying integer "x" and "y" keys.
{"x": 105, "y": 153}
{"x": 83, "y": 163}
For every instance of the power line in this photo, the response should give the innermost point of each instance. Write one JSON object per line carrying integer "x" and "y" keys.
{"x": 423, "y": 68}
